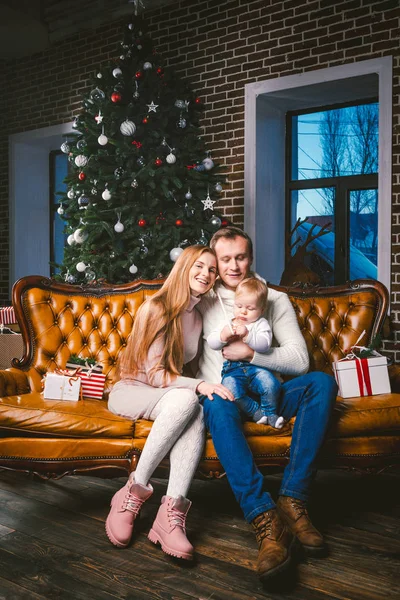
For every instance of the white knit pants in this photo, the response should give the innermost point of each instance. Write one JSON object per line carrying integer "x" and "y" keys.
{"x": 179, "y": 428}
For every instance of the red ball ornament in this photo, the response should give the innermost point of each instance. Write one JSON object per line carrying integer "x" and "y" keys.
{"x": 139, "y": 74}
{"x": 198, "y": 101}
{"x": 82, "y": 176}
{"x": 158, "y": 162}
{"x": 142, "y": 222}
{"x": 159, "y": 70}
{"x": 116, "y": 97}
{"x": 224, "y": 222}
{"x": 145, "y": 120}
{"x": 179, "y": 223}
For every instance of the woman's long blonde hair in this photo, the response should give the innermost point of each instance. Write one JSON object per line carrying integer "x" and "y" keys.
{"x": 159, "y": 316}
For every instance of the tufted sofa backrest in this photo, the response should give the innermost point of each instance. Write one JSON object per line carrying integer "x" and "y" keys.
{"x": 58, "y": 320}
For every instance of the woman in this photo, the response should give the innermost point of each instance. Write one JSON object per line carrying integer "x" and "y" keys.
{"x": 165, "y": 336}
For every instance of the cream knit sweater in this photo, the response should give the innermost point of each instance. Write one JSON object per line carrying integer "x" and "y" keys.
{"x": 288, "y": 354}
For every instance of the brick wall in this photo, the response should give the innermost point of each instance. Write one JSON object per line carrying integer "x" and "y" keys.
{"x": 219, "y": 46}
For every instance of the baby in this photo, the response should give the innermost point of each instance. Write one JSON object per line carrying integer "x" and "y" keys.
{"x": 241, "y": 377}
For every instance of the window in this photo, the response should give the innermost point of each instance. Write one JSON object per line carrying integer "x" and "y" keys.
{"x": 58, "y": 172}
{"x": 332, "y": 188}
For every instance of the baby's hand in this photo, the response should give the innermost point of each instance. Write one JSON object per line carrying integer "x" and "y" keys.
{"x": 226, "y": 334}
{"x": 241, "y": 331}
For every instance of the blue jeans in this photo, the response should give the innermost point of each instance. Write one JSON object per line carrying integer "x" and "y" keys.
{"x": 310, "y": 398}
{"x": 240, "y": 377}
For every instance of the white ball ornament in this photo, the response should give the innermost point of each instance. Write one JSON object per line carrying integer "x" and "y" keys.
{"x": 175, "y": 254}
{"x": 117, "y": 72}
{"x": 102, "y": 139}
{"x": 60, "y": 210}
{"x": 106, "y": 195}
{"x": 71, "y": 194}
{"x": 119, "y": 227}
{"x": 188, "y": 195}
{"x": 81, "y": 267}
{"x": 80, "y": 236}
{"x": 171, "y": 158}
{"x": 218, "y": 187}
{"x": 208, "y": 164}
{"x": 65, "y": 147}
{"x": 81, "y": 160}
{"x": 147, "y": 66}
{"x": 127, "y": 127}
{"x": 133, "y": 269}
{"x": 71, "y": 240}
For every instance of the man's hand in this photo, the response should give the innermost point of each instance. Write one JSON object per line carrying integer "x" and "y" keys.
{"x": 238, "y": 351}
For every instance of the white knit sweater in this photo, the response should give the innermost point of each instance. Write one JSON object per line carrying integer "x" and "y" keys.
{"x": 288, "y": 354}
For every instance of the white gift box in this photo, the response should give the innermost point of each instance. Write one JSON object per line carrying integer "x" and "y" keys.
{"x": 61, "y": 387}
{"x": 362, "y": 377}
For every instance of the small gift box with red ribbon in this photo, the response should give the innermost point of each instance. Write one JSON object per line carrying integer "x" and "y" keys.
{"x": 367, "y": 376}
{"x": 91, "y": 376}
{"x": 62, "y": 385}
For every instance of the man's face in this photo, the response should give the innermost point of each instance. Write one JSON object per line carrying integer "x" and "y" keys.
{"x": 233, "y": 260}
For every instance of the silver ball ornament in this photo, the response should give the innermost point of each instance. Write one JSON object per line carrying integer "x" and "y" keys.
{"x": 90, "y": 275}
{"x": 188, "y": 195}
{"x": 147, "y": 66}
{"x": 117, "y": 72}
{"x": 71, "y": 194}
{"x": 133, "y": 269}
{"x": 215, "y": 221}
{"x": 208, "y": 164}
{"x": 127, "y": 127}
{"x": 181, "y": 123}
{"x": 218, "y": 187}
{"x": 65, "y": 147}
{"x": 71, "y": 240}
{"x": 81, "y": 267}
{"x": 171, "y": 158}
{"x": 106, "y": 195}
{"x": 60, "y": 210}
{"x": 97, "y": 95}
{"x": 102, "y": 139}
{"x": 175, "y": 254}
{"x": 134, "y": 183}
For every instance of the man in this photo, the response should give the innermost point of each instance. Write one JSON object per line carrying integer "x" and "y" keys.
{"x": 310, "y": 397}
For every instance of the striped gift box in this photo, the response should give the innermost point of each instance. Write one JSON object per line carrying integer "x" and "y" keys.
{"x": 93, "y": 380}
{"x": 92, "y": 384}
{"x": 7, "y": 315}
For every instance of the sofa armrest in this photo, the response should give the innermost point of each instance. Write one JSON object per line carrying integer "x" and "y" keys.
{"x": 12, "y": 382}
{"x": 394, "y": 376}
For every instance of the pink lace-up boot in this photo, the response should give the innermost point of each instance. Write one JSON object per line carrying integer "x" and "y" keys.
{"x": 125, "y": 507}
{"x": 169, "y": 527}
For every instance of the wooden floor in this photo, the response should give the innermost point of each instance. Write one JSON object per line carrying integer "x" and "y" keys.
{"x": 53, "y": 544}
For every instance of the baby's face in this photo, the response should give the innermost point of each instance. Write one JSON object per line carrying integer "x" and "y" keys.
{"x": 246, "y": 308}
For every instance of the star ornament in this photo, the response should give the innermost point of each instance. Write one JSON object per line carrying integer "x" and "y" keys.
{"x": 99, "y": 118}
{"x": 152, "y": 107}
{"x": 208, "y": 203}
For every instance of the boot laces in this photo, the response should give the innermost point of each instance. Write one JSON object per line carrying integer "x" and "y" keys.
{"x": 263, "y": 526}
{"x": 132, "y": 503}
{"x": 299, "y": 508}
{"x": 176, "y": 517}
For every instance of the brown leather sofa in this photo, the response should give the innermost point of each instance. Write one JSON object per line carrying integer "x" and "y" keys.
{"x": 55, "y": 438}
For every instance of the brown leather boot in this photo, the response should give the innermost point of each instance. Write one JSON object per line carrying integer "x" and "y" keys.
{"x": 275, "y": 542}
{"x": 294, "y": 513}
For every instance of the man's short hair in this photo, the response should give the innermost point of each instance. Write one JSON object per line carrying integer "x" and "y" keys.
{"x": 230, "y": 233}
{"x": 255, "y": 286}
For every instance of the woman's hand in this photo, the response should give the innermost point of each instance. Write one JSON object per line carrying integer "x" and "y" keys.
{"x": 208, "y": 389}
{"x": 238, "y": 351}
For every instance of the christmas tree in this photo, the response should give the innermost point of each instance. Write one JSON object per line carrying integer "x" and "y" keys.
{"x": 141, "y": 185}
